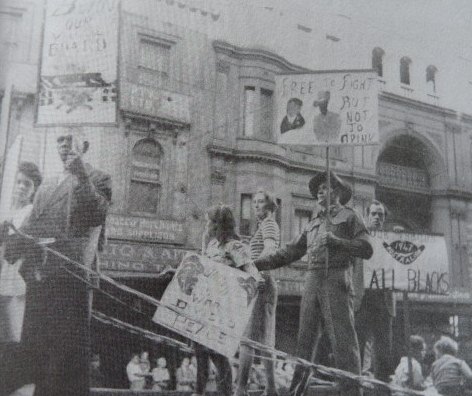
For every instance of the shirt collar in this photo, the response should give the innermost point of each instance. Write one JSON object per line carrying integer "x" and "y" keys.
{"x": 333, "y": 211}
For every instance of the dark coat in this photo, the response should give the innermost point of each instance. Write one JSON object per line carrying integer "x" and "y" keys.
{"x": 297, "y": 123}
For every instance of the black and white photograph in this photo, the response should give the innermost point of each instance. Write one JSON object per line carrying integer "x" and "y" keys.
{"x": 235, "y": 198}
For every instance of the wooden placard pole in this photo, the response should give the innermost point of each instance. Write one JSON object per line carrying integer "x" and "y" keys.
{"x": 407, "y": 331}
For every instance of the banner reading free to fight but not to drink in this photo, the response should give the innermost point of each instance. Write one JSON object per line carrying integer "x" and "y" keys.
{"x": 209, "y": 303}
{"x": 408, "y": 262}
{"x": 327, "y": 108}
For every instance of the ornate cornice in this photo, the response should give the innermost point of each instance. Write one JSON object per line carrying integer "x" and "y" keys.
{"x": 257, "y": 54}
{"x": 416, "y": 104}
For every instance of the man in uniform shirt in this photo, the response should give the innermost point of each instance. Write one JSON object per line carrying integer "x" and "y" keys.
{"x": 327, "y": 305}
{"x": 327, "y": 124}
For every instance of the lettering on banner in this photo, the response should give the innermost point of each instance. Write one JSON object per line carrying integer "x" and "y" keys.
{"x": 337, "y": 108}
{"x": 220, "y": 296}
{"x": 72, "y": 82}
{"x": 409, "y": 262}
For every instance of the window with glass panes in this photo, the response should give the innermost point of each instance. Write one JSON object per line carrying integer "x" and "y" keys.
{"x": 145, "y": 186}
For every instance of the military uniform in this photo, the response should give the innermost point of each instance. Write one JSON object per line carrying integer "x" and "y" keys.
{"x": 328, "y": 299}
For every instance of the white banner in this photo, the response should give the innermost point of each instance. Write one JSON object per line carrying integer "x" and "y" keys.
{"x": 412, "y": 262}
{"x": 218, "y": 297}
{"x": 78, "y": 77}
{"x": 335, "y": 108}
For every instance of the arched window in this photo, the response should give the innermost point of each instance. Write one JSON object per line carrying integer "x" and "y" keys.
{"x": 431, "y": 71}
{"x": 377, "y": 60}
{"x": 145, "y": 186}
{"x": 405, "y": 63}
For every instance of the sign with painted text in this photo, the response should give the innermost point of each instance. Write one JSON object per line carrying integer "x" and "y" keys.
{"x": 411, "y": 262}
{"x": 137, "y": 228}
{"x": 327, "y": 108}
{"x": 209, "y": 303}
{"x": 155, "y": 102}
{"x": 79, "y": 63}
{"x": 138, "y": 259}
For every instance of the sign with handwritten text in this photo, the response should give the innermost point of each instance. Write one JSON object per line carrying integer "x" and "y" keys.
{"x": 209, "y": 303}
{"x": 327, "y": 108}
{"x": 78, "y": 77}
{"x": 409, "y": 262}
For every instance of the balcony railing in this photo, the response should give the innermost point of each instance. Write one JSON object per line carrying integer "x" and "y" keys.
{"x": 403, "y": 176}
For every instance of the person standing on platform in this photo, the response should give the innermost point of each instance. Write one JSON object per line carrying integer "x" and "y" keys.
{"x": 261, "y": 326}
{"x": 70, "y": 211}
{"x": 221, "y": 243}
{"x": 375, "y": 309}
{"x": 327, "y": 304}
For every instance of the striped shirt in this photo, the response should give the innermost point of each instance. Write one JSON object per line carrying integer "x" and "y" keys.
{"x": 266, "y": 229}
{"x": 449, "y": 371}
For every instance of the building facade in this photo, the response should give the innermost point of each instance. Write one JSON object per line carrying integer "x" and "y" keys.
{"x": 195, "y": 128}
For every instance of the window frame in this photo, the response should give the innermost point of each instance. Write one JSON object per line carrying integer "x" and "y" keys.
{"x": 405, "y": 67}
{"x": 378, "y": 55}
{"x": 134, "y": 163}
{"x": 160, "y": 40}
{"x": 260, "y": 86}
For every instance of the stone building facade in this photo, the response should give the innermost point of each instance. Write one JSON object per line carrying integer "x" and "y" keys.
{"x": 194, "y": 128}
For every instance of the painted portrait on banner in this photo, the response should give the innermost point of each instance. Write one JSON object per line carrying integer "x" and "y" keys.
{"x": 78, "y": 73}
{"x": 327, "y": 108}
{"x": 209, "y": 303}
{"x": 416, "y": 263}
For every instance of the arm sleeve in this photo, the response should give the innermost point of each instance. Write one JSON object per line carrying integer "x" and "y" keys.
{"x": 359, "y": 245}
{"x": 293, "y": 251}
{"x": 466, "y": 371}
{"x": 93, "y": 196}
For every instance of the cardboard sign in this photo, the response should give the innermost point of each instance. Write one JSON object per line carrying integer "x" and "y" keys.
{"x": 78, "y": 77}
{"x": 412, "y": 262}
{"x": 213, "y": 303}
{"x": 327, "y": 108}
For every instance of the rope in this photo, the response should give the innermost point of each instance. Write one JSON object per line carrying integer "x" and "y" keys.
{"x": 365, "y": 382}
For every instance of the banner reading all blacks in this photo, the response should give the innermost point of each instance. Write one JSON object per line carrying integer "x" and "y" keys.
{"x": 413, "y": 262}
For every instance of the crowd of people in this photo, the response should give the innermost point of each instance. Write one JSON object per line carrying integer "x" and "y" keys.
{"x": 67, "y": 214}
{"x": 142, "y": 374}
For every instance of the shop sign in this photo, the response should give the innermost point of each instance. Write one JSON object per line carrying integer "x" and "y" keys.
{"x": 137, "y": 228}
{"x": 155, "y": 102}
{"x": 138, "y": 258}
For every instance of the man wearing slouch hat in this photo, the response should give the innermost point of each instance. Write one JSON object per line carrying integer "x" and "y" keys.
{"x": 69, "y": 211}
{"x": 327, "y": 304}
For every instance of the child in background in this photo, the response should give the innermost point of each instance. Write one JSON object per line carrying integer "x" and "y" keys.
{"x": 401, "y": 377}
{"x": 449, "y": 373}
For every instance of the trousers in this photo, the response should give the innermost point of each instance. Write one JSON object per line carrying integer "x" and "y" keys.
{"x": 327, "y": 305}
{"x": 224, "y": 378}
{"x": 374, "y": 321}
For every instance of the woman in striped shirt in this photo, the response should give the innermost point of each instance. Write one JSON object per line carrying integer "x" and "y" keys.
{"x": 261, "y": 326}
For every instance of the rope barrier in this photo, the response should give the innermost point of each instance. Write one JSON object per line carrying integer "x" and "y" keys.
{"x": 105, "y": 319}
{"x": 365, "y": 382}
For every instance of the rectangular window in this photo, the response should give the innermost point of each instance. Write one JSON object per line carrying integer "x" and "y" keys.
{"x": 154, "y": 58}
{"x": 266, "y": 112}
{"x": 302, "y": 218}
{"x": 250, "y": 109}
{"x": 246, "y": 214}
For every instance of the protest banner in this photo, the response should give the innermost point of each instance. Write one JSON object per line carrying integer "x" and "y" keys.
{"x": 78, "y": 71}
{"x": 414, "y": 263}
{"x": 327, "y": 108}
{"x": 220, "y": 298}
